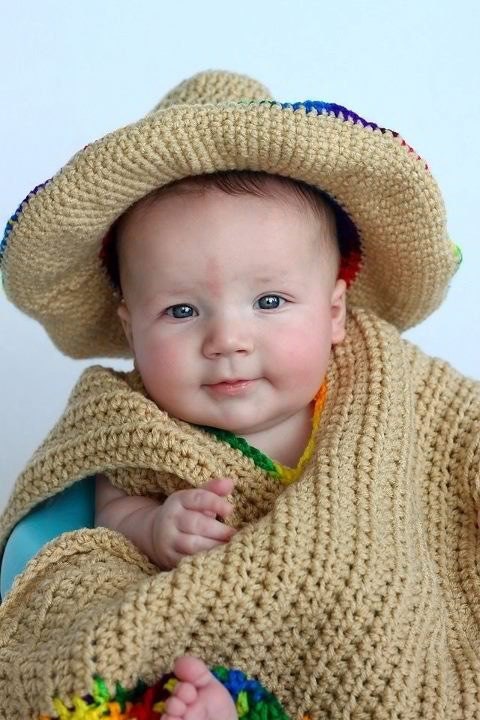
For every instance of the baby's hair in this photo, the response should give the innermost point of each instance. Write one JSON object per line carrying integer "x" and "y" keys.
{"x": 340, "y": 231}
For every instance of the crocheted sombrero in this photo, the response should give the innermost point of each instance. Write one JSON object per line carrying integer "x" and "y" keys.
{"x": 50, "y": 256}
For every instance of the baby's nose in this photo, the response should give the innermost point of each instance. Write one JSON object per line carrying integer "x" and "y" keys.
{"x": 226, "y": 337}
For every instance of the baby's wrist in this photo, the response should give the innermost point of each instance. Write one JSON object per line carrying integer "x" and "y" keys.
{"x": 161, "y": 542}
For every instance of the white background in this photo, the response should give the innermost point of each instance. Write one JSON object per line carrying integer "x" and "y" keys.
{"x": 73, "y": 71}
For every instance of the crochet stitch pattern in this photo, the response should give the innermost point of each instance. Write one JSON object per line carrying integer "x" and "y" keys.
{"x": 252, "y": 700}
{"x": 321, "y": 107}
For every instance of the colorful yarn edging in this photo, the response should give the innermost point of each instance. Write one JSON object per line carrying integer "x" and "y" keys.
{"x": 252, "y": 700}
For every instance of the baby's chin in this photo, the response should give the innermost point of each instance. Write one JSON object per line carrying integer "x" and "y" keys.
{"x": 242, "y": 427}
{"x": 240, "y": 416}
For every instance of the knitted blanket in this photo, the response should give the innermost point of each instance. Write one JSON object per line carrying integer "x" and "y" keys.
{"x": 352, "y": 593}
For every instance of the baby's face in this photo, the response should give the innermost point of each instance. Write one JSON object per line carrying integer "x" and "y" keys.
{"x": 231, "y": 306}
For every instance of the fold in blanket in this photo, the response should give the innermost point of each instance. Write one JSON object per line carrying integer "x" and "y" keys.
{"x": 354, "y": 592}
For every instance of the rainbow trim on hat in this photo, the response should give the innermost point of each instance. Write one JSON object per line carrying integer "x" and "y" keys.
{"x": 285, "y": 474}
{"x": 252, "y": 700}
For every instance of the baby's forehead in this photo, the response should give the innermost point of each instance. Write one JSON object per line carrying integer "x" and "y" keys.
{"x": 216, "y": 223}
{"x": 267, "y": 188}
{"x": 246, "y": 202}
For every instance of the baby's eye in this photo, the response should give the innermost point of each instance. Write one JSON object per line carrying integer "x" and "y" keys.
{"x": 269, "y": 302}
{"x": 181, "y": 311}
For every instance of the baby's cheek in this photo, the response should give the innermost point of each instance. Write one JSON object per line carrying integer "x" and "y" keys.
{"x": 303, "y": 356}
{"x": 160, "y": 363}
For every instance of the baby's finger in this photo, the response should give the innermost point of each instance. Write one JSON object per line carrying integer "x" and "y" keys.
{"x": 205, "y": 501}
{"x": 187, "y": 544}
{"x": 196, "y": 523}
{"x": 219, "y": 485}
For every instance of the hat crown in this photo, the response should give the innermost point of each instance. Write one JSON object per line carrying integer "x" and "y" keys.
{"x": 214, "y": 86}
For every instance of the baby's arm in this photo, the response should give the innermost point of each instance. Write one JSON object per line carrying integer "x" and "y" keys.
{"x": 182, "y": 525}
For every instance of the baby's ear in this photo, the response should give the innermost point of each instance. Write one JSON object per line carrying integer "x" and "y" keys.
{"x": 124, "y": 314}
{"x": 338, "y": 307}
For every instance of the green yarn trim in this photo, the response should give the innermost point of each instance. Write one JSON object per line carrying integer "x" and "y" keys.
{"x": 101, "y": 694}
{"x": 238, "y": 443}
{"x": 457, "y": 251}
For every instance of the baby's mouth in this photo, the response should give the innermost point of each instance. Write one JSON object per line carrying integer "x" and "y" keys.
{"x": 230, "y": 387}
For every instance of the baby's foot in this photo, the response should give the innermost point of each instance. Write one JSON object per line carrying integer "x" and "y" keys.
{"x": 198, "y": 695}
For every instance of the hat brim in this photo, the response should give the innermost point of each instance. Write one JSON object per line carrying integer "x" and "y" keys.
{"x": 52, "y": 268}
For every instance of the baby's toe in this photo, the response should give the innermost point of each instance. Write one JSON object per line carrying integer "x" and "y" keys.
{"x": 174, "y": 706}
{"x": 186, "y": 692}
{"x": 192, "y": 670}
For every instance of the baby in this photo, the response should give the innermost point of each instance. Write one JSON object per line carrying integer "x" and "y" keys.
{"x": 231, "y": 302}
{"x": 354, "y": 591}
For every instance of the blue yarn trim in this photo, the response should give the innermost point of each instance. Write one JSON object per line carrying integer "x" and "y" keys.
{"x": 258, "y": 702}
{"x": 13, "y": 219}
{"x": 322, "y": 108}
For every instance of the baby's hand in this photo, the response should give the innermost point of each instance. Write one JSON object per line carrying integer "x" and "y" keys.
{"x": 186, "y": 522}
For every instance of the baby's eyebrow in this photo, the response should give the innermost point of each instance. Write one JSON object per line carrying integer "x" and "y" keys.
{"x": 173, "y": 288}
{"x": 270, "y": 275}
{"x": 265, "y": 279}
{"x": 186, "y": 288}
{"x": 176, "y": 289}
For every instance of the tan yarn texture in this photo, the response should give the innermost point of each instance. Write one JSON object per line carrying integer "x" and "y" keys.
{"x": 354, "y": 593}
{"x": 52, "y": 269}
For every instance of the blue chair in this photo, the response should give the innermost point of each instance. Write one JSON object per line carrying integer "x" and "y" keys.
{"x": 72, "y": 509}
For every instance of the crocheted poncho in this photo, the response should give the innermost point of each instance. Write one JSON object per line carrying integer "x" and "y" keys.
{"x": 352, "y": 593}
